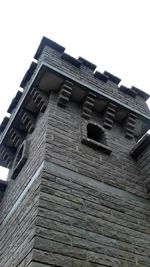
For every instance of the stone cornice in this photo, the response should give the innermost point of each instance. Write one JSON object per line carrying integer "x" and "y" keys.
{"x": 71, "y": 79}
{"x": 94, "y": 89}
{"x": 42, "y": 67}
{"x": 45, "y": 42}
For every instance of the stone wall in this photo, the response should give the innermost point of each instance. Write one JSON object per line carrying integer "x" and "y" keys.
{"x": 92, "y": 211}
{"x": 79, "y": 200}
{"x": 81, "y": 207}
{"x": 18, "y": 208}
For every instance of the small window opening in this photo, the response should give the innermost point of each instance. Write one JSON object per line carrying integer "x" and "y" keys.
{"x": 93, "y": 135}
{"x": 94, "y": 132}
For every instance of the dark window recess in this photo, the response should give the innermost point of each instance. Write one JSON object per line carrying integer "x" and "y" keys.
{"x": 95, "y": 132}
{"x": 20, "y": 159}
{"x": 94, "y": 136}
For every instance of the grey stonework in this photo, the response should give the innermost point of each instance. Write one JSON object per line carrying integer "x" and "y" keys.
{"x": 73, "y": 204}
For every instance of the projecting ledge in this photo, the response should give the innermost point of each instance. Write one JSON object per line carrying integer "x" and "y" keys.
{"x": 96, "y": 145}
{"x": 140, "y": 146}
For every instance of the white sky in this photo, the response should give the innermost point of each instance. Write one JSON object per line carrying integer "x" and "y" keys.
{"x": 113, "y": 34}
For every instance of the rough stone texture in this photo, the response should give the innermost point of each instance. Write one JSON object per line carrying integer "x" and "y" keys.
{"x": 54, "y": 58}
{"x": 72, "y": 205}
{"x": 88, "y": 216}
{"x": 18, "y": 208}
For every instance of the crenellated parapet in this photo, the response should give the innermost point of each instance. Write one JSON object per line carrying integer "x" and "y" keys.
{"x": 28, "y": 74}
{"x": 72, "y": 80}
{"x": 84, "y": 72}
{"x": 14, "y": 102}
{"x": 3, "y": 124}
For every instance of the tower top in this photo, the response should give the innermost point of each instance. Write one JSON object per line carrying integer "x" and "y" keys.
{"x": 49, "y": 70}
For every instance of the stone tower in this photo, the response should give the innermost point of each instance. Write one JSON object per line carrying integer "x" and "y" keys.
{"x": 77, "y": 193}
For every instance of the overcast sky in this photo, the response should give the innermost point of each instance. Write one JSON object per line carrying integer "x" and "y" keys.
{"x": 113, "y": 34}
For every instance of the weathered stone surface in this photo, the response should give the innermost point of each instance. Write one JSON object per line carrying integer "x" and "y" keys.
{"x": 70, "y": 204}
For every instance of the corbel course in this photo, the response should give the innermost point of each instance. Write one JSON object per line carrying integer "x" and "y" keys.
{"x": 16, "y": 137}
{"x": 109, "y": 116}
{"x": 27, "y": 120}
{"x": 7, "y": 155}
{"x": 39, "y": 99}
{"x": 130, "y": 125}
{"x": 64, "y": 94}
{"x": 88, "y": 105}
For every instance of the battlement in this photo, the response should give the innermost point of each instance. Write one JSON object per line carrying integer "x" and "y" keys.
{"x": 84, "y": 66}
{"x": 73, "y": 80}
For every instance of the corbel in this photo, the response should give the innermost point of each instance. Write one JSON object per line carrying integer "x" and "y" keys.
{"x": 16, "y": 137}
{"x": 39, "y": 99}
{"x": 27, "y": 120}
{"x": 7, "y": 155}
{"x": 109, "y": 116}
{"x": 130, "y": 125}
{"x": 64, "y": 94}
{"x": 88, "y": 105}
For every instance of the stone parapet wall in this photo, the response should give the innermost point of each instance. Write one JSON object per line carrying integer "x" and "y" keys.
{"x": 52, "y": 57}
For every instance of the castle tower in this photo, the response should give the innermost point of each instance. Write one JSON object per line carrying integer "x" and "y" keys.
{"x": 77, "y": 193}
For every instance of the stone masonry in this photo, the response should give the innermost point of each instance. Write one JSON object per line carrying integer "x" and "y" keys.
{"x": 78, "y": 188}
